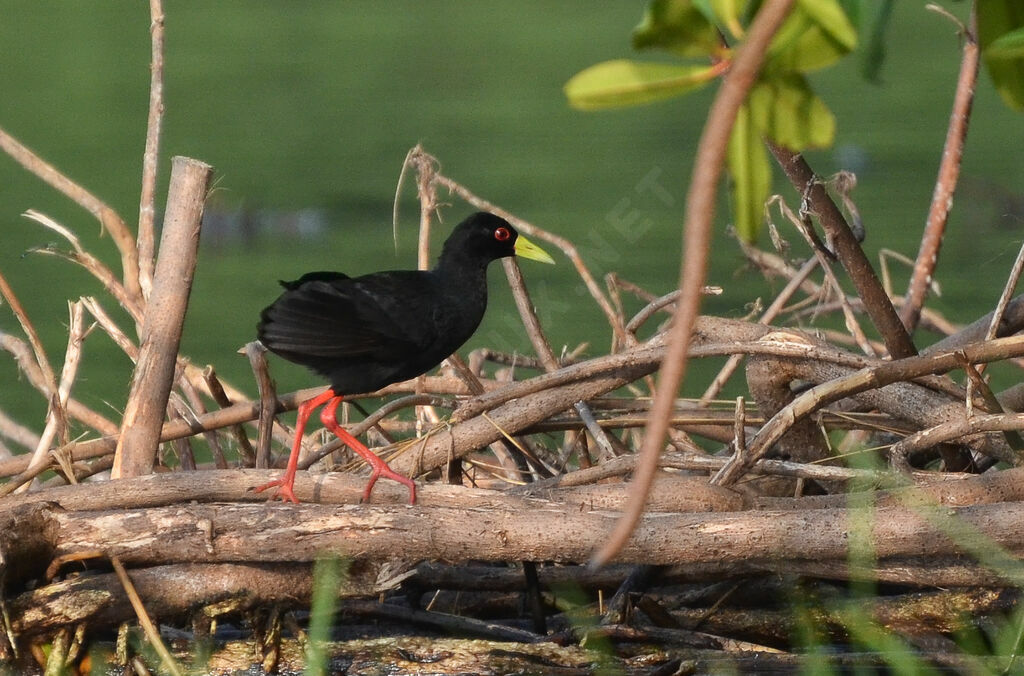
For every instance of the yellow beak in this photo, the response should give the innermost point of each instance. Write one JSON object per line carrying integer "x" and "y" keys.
{"x": 528, "y": 249}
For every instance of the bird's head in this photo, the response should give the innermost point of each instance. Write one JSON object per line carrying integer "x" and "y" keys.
{"x": 484, "y": 236}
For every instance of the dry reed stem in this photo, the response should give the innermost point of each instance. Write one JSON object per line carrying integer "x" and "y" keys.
{"x": 56, "y": 418}
{"x": 111, "y": 328}
{"x": 27, "y": 365}
{"x": 152, "y": 635}
{"x": 426, "y": 168}
{"x": 108, "y": 218}
{"x": 700, "y": 208}
{"x": 151, "y": 155}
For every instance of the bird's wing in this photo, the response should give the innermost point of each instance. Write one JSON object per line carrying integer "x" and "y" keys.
{"x": 320, "y": 276}
{"x": 368, "y": 317}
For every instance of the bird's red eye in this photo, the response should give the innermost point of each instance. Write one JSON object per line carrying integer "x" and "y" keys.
{"x": 502, "y": 234}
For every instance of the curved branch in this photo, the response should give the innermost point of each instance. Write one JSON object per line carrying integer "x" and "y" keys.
{"x": 700, "y": 208}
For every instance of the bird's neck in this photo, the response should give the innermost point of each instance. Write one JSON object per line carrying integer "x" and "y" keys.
{"x": 456, "y": 265}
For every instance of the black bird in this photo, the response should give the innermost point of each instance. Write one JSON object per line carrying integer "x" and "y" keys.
{"x": 362, "y": 333}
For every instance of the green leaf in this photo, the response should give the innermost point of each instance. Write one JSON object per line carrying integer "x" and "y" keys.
{"x": 679, "y": 27}
{"x": 751, "y": 175}
{"x": 874, "y": 51}
{"x": 998, "y": 23}
{"x": 1007, "y": 46}
{"x": 816, "y": 34}
{"x": 784, "y": 109}
{"x": 624, "y": 83}
{"x": 830, "y": 17}
{"x": 727, "y": 12}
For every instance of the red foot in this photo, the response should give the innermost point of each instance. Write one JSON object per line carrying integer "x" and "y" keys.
{"x": 286, "y": 483}
{"x": 284, "y": 493}
{"x": 380, "y": 468}
{"x": 386, "y": 472}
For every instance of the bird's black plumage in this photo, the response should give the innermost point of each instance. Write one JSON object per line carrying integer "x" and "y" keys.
{"x": 362, "y": 333}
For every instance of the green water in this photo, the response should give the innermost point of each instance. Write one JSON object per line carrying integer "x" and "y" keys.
{"x": 314, "y": 105}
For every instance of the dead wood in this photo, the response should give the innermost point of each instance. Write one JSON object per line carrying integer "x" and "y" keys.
{"x": 162, "y": 325}
{"x": 529, "y": 530}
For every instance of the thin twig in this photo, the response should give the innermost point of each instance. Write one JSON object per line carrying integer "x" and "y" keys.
{"x": 245, "y": 449}
{"x": 805, "y": 228}
{"x": 150, "y": 158}
{"x": 949, "y": 173}
{"x": 107, "y": 217}
{"x": 56, "y": 420}
{"x": 148, "y": 627}
{"x": 848, "y": 250}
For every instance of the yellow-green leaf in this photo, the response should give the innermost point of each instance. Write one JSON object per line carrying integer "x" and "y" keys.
{"x": 784, "y": 109}
{"x": 1007, "y": 46}
{"x": 677, "y": 26}
{"x": 832, "y": 19}
{"x": 751, "y": 175}
{"x": 728, "y": 13}
{"x": 624, "y": 83}
{"x": 810, "y": 39}
{"x": 999, "y": 26}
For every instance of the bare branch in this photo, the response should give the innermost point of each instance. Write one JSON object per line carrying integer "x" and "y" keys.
{"x": 56, "y": 420}
{"x": 165, "y": 313}
{"x": 107, "y": 217}
{"x": 949, "y": 173}
{"x": 150, "y": 158}
{"x": 700, "y": 208}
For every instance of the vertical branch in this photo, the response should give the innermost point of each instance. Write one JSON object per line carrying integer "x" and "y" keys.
{"x": 425, "y": 171}
{"x": 147, "y": 200}
{"x": 945, "y": 185}
{"x": 700, "y": 209}
{"x": 256, "y": 354}
{"x": 56, "y": 418}
{"x": 525, "y": 306}
{"x": 165, "y": 314}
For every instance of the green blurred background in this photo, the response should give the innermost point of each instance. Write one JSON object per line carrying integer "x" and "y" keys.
{"x": 306, "y": 110}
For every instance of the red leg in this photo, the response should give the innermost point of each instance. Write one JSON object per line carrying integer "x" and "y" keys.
{"x": 380, "y": 468}
{"x": 287, "y": 481}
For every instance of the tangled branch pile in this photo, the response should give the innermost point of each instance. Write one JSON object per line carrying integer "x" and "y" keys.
{"x": 753, "y": 531}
